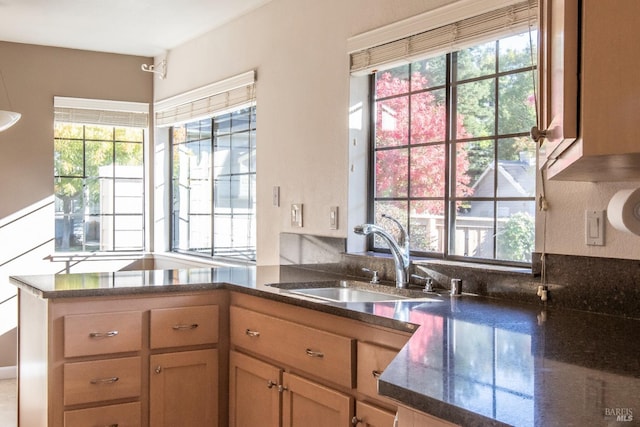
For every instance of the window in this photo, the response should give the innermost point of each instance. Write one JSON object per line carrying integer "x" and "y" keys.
{"x": 451, "y": 157}
{"x": 214, "y": 184}
{"x": 99, "y": 187}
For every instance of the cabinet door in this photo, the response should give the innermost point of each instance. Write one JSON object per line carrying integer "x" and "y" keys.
{"x": 411, "y": 418}
{"x": 372, "y": 416}
{"x": 559, "y": 76}
{"x": 307, "y": 404}
{"x": 254, "y": 394}
{"x": 184, "y": 389}
{"x": 372, "y": 361}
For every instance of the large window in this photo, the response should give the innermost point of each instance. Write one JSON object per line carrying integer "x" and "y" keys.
{"x": 213, "y": 186}
{"x": 99, "y": 187}
{"x": 451, "y": 156}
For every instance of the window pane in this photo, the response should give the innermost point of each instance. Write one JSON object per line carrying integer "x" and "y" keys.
{"x": 428, "y": 171}
{"x": 476, "y": 61}
{"x": 480, "y": 155}
{"x": 128, "y": 196}
{"x": 516, "y": 230}
{"x": 99, "y": 196}
{"x": 397, "y": 210}
{"x": 476, "y": 108}
{"x": 519, "y": 51}
{"x": 129, "y": 134}
{"x": 427, "y": 226}
{"x": 392, "y": 82}
{"x": 428, "y": 117}
{"x": 222, "y": 124}
{"x": 392, "y": 122}
{"x": 516, "y": 103}
{"x": 392, "y": 173}
{"x": 240, "y": 120}
{"x": 222, "y": 158}
{"x": 128, "y": 232}
{"x": 99, "y": 158}
{"x": 130, "y": 155}
{"x": 68, "y": 157}
{"x": 473, "y": 229}
{"x": 517, "y": 172}
{"x": 429, "y": 73}
{"x": 241, "y": 155}
{"x": 99, "y": 133}
{"x": 68, "y": 130}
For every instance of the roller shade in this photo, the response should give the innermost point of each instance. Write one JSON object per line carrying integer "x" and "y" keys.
{"x": 451, "y": 37}
{"x": 208, "y": 101}
{"x": 100, "y": 112}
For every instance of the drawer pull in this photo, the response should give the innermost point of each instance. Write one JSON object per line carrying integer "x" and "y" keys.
{"x": 158, "y": 369}
{"x": 312, "y": 353}
{"x": 376, "y": 374}
{"x": 252, "y": 333}
{"x": 100, "y": 335}
{"x": 184, "y": 327}
{"x": 271, "y": 384}
{"x": 356, "y": 420}
{"x": 98, "y": 381}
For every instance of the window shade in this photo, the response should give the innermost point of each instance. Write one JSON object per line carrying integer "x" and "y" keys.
{"x": 453, "y": 36}
{"x": 100, "y": 112}
{"x": 208, "y": 101}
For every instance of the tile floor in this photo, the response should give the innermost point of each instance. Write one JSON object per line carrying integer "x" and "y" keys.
{"x": 8, "y": 416}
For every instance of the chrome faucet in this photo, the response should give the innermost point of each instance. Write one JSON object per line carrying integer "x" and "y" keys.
{"x": 399, "y": 249}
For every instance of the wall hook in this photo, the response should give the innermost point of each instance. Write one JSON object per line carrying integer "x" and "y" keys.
{"x": 162, "y": 72}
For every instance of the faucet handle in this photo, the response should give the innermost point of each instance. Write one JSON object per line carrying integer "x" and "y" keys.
{"x": 374, "y": 280}
{"x": 428, "y": 282}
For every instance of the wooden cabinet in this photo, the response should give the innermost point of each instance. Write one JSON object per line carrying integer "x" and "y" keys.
{"x": 589, "y": 93}
{"x": 411, "y": 418}
{"x": 255, "y": 394}
{"x": 183, "y": 389}
{"x": 300, "y": 367}
{"x": 128, "y": 361}
{"x": 308, "y": 404}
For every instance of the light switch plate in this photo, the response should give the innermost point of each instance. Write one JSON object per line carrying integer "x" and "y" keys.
{"x": 333, "y": 218}
{"x": 296, "y": 215}
{"x": 594, "y": 227}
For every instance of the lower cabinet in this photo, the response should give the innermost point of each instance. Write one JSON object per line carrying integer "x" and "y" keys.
{"x": 411, "y": 418}
{"x": 307, "y": 404}
{"x": 183, "y": 389}
{"x": 372, "y": 416}
{"x": 261, "y": 394}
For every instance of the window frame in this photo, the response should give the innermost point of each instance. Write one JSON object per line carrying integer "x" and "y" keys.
{"x": 251, "y": 132}
{"x": 450, "y": 144}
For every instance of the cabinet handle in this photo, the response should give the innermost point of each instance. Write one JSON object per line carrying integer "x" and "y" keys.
{"x": 312, "y": 353}
{"x": 99, "y": 335}
{"x": 270, "y": 384}
{"x": 252, "y": 333}
{"x": 355, "y": 420}
{"x": 184, "y": 327}
{"x": 158, "y": 369}
{"x": 282, "y": 388}
{"x": 376, "y": 374}
{"x": 98, "y": 381}
{"x": 111, "y": 425}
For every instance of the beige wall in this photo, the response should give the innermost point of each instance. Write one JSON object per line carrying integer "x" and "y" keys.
{"x": 298, "y": 48}
{"x": 33, "y": 76}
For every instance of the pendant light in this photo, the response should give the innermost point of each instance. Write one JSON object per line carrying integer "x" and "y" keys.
{"x": 7, "y": 118}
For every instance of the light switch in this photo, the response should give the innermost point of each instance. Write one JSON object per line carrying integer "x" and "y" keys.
{"x": 594, "y": 228}
{"x": 333, "y": 218}
{"x": 296, "y": 215}
{"x": 276, "y": 195}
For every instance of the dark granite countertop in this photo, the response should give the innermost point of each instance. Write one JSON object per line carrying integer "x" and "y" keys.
{"x": 473, "y": 361}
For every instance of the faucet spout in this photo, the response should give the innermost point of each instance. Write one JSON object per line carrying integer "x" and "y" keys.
{"x": 399, "y": 249}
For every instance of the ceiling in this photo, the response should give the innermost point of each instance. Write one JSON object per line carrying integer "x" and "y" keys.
{"x": 134, "y": 27}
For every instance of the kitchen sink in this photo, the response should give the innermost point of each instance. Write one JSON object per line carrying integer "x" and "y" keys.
{"x": 350, "y": 291}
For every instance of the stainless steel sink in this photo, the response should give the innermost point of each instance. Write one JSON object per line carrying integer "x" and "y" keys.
{"x": 347, "y": 295}
{"x": 351, "y": 291}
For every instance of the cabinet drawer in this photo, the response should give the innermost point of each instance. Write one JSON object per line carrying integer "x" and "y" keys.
{"x": 320, "y": 353}
{"x": 372, "y": 416}
{"x": 372, "y": 361}
{"x": 102, "y": 333}
{"x": 177, "y": 327}
{"x": 101, "y": 380}
{"x": 124, "y": 415}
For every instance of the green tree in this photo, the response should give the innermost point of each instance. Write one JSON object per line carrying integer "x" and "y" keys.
{"x": 516, "y": 238}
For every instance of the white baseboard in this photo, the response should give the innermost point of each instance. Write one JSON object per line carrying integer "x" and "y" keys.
{"x": 7, "y": 372}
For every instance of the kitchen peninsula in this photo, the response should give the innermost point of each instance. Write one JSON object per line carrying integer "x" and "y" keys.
{"x": 467, "y": 360}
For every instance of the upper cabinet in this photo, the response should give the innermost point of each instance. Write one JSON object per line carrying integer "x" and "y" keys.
{"x": 590, "y": 95}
